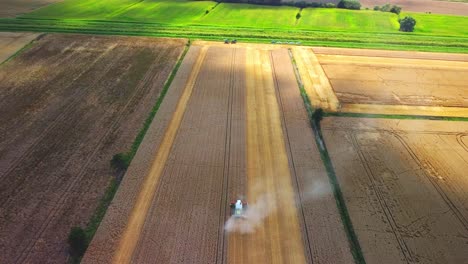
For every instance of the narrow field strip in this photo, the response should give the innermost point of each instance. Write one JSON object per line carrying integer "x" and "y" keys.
{"x": 315, "y": 80}
{"x": 135, "y": 224}
{"x": 399, "y": 62}
{"x": 405, "y": 110}
{"x": 319, "y": 51}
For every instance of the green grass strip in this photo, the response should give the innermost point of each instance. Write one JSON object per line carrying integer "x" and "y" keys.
{"x": 100, "y": 211}
{"x": 353, "y": 241}
{"x": 414, "y": 117}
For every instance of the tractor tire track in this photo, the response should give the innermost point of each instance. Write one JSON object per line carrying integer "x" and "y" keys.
{"x": 380, "y": 197}
{"x": 429, "y": 171}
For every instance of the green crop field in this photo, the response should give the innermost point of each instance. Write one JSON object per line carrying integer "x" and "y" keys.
{"x": 246, "y": 22}
{"x": 348, "y": 20}
{"x": 245, "y": 15}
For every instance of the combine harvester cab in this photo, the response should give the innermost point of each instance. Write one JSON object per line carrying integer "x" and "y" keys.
{"x": 238, "y": 208}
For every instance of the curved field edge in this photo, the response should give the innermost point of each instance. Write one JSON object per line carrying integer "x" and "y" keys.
{"x": 113, "y": 186}
{"x": 388, "y": 41}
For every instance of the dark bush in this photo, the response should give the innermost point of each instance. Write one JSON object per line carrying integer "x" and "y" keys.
{"x": 78, "y": 242}
{"x": 298, "y": 15}
{"x": 376, "y": 8}
{"x": 349, "y": 4}
{"x": 120, "y": 161}
{"x": 385, "y": 8}
{"x": 407, "y": 24}
{"x": 317, "y": 116}
{"x": 395, "y": 9}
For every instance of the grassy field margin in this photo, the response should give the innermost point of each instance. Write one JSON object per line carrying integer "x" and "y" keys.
{"x": 113, "y": 186}
{"x": 354, "y": 245}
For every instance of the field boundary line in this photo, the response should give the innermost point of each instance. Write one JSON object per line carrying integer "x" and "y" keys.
{"x": 353, "y": 241}
{"x": 129, "y": 239}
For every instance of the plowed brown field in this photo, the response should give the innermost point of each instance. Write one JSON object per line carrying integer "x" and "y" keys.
{"x": 222, "y": 133}
{"x": 405, "y": 184}
{"x": 68, "y": 104}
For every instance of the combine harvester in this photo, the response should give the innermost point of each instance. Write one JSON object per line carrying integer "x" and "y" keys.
{"x": 238, "y": 208}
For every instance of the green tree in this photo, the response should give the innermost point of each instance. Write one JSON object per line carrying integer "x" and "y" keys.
{"x": 407, "y": 24}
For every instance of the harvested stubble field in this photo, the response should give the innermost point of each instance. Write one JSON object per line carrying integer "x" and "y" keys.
{"x": 385, "y": 82}
{"x": 11, "y": 42}
{"x": 405, "y": 185}
{"x": 396, "y": 81}
{"x": 233, "y": 125}
{"x": 68, "y": 104}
